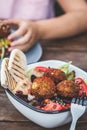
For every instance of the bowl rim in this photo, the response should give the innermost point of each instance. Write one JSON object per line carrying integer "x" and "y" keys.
{"x": 33, "y": 107}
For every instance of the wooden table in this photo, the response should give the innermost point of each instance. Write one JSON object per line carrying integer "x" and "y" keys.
{"x": 72, "y": 49}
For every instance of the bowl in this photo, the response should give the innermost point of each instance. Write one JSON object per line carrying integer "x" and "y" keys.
{"x": 47, "y": 119}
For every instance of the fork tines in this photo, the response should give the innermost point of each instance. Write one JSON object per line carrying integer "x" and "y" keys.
{"x": 78, "y": 108}
{"x": 82, "y": 100}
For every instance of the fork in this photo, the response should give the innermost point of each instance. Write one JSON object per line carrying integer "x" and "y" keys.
{"x": 78, "y": 108}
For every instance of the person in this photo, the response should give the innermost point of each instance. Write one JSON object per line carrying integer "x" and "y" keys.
{"x": 72, "y": 22}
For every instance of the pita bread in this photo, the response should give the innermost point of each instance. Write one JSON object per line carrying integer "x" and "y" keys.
{"x": 7, "y": 81}
{"x": 17, "y": 65}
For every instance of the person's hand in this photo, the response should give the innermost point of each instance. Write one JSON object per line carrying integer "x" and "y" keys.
{"x": 27, "y": 33}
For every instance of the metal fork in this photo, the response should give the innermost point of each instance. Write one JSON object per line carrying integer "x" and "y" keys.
{"x": 78, "y": 108}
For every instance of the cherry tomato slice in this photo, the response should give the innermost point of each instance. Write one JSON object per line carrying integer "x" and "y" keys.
{"x": 83, "y": 86}
{"x": 41, "y": 68}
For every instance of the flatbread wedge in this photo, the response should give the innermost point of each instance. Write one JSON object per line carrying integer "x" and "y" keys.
{"x": 7, "y": 81}
{"x": 17, "y": 65}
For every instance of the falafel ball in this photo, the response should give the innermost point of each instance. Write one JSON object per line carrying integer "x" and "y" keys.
{"x": 43, "y": 87}
{"x": 68, "y": 88}
{"x": 56, "y": 75}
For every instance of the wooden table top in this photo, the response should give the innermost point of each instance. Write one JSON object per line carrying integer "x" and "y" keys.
{"x": 71, "y": 49}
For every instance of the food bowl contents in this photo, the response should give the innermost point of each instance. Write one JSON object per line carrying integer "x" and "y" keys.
{"x": 44, "y": 87}
{"x": 4, "y": 42}
{"x": 52, "y": 90}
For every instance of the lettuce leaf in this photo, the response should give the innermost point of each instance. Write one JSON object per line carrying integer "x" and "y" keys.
{"x": 65, "y": 69}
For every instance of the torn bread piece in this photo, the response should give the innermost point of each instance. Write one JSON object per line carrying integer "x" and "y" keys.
{"x": 7, "y": 81}
{"x": 17, "y": 65}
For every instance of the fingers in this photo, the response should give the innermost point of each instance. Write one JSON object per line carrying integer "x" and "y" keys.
{"x": 20, "y": 32}
{"x": 12, "y": 21}
{"x": 24, "y": 47}
{"x": 21, "y": 41}
{"x": 23, "y": 38}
